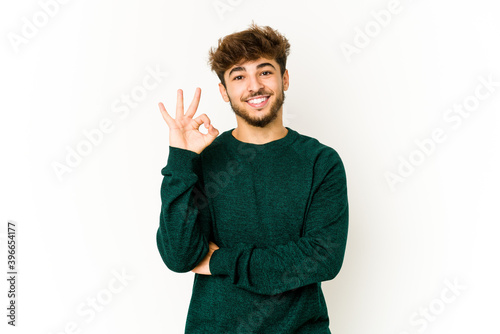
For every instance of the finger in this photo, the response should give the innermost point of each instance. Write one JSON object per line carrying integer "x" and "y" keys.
{"x": 165, "y": 114}
{"x": 179, "y": 110}
{"x": 203, "y": 118}
{"x": 194, "y": 104}
{"x": 212, "y": 245}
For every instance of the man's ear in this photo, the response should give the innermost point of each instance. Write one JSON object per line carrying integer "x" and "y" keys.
{"x": 286, "y": 80}
{"x": 223, "y": 92}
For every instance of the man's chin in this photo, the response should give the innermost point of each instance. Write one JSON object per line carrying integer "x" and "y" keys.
{"x": 259, "y": 121}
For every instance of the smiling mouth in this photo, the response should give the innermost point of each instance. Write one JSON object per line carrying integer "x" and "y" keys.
{"x": 258, "y": 102}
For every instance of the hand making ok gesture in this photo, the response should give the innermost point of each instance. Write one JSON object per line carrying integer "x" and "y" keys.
{"x": 184, "y": 129}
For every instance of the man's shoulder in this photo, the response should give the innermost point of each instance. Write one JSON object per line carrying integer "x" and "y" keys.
{"x": 314, "y": 148}
{"x": 324, "y": 159}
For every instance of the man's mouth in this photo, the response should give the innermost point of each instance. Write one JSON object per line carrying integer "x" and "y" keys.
{"x": 258, "y": 101}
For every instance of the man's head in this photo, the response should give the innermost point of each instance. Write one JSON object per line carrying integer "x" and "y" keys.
{"x": 251, "y": 66}
{"x": 251, "y": 44}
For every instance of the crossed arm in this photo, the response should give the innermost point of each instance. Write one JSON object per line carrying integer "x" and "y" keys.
{"x": 316, "y": 256}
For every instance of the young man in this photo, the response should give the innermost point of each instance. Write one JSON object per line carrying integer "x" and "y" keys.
{"x": 259, "y": 212}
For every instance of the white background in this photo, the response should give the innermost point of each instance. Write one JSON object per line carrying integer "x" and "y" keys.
{"x": 439, "y": 224}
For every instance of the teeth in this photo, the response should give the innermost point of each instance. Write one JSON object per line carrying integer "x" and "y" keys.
{"x": 257, "y": 101}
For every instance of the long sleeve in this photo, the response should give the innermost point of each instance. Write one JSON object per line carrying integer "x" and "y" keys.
{"x": 182, "y": 237}
{"x": 316, "y": 256}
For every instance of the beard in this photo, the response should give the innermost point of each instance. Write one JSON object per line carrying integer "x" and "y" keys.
{"x": 263, "y": 120}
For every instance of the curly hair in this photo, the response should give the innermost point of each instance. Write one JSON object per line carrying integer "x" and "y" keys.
{"x": 248, "y": 45}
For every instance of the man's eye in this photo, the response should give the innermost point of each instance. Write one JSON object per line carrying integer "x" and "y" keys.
{"x": 239, "y": 77}
{"x": 266, "y": 72}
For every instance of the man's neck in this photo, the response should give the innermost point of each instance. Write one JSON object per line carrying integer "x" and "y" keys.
{"x": 255, "y": 135}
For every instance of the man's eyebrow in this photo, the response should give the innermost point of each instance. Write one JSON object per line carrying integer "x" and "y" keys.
{"x": 264, "y": 65}
{"x": 236, "y": 69}
{"x": 241, "y": 68}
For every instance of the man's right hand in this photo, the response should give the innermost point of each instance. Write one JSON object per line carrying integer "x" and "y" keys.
{"x": 184, "y": 129}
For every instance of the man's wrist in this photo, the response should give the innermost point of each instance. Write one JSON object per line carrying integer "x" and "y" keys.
{"x": 181, "y": 159}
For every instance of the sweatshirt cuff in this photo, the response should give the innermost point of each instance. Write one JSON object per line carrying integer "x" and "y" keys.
{"x": 220, "y": 262}
{"x": 181, "y": 159}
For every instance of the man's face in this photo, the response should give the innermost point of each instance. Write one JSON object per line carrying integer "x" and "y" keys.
{"x": 255, "y": 90}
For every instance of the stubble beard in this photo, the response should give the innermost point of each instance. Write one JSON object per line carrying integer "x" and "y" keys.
{"x": 265, "y": 119}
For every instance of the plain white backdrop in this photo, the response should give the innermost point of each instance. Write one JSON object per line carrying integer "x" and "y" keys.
{"x": 83, "y": 142}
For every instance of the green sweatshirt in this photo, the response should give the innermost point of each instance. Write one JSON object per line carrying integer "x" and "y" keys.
{"x": 279, "y": 213}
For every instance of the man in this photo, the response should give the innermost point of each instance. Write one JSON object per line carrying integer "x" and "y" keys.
{"x": 259, "y": 213}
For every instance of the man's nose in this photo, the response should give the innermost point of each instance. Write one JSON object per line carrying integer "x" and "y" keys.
{"x": 254, "y": 84}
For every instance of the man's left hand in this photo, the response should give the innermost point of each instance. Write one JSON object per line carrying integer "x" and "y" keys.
{"x": 203, "y": 267}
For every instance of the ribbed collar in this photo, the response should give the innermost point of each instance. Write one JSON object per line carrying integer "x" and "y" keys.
{"x": 290, "y": 136}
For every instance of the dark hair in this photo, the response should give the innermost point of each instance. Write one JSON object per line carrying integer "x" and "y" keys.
{"x": 248, "y": 45}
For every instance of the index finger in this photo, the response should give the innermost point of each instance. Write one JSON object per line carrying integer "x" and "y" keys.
{"x": 165, "y": 114}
